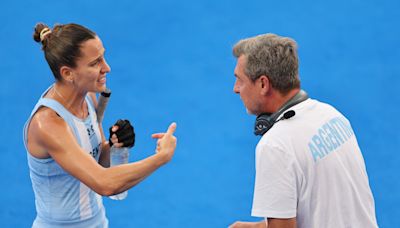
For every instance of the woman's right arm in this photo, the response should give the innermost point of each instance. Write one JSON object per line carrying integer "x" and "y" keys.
{"x": 51, "y": 134}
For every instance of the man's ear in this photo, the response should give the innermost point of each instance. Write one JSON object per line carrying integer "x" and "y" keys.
{"x": 67, "y": 74}
{"x": 265, "y": 84}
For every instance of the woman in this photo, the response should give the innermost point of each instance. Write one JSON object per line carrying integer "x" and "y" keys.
{"x": 68, "y": 155}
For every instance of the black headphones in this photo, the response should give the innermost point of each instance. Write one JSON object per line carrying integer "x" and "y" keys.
{"x": 265, "y": 121}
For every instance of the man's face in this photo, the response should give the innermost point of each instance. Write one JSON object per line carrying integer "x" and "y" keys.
{"x": 247, "y": 89}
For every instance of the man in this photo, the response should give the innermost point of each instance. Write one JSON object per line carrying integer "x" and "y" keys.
{"x": 309, "y": 169}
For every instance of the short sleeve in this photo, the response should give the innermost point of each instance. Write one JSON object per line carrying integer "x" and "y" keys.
{"x": 275, "y": 194}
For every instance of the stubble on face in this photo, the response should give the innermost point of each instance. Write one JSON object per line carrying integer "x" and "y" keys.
{"x": 245, "y": 87}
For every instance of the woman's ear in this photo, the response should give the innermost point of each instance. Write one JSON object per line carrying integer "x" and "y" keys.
{"x": 67, "y": 74}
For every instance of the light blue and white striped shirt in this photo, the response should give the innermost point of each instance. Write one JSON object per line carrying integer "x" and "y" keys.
{"x": 61, "y": 199}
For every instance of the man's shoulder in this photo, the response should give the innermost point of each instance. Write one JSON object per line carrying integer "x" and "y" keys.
{"x": 309, "y": 116}
{"x": 322, "y": 105}
{"x": 275, "y": 139}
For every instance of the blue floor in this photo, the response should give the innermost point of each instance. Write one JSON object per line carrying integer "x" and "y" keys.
{"x": 172, "y": 61}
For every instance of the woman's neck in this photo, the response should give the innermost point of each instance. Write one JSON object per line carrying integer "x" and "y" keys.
{"x": 70, "y": 98}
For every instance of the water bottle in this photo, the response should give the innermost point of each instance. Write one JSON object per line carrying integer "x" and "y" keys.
{"x": 118, "y": 156}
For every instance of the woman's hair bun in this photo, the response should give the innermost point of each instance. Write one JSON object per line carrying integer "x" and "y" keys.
{"x": 39, "y": 27}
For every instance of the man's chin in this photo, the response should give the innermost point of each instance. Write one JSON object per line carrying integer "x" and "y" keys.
{"x": 249, "y": 112}
{"x": 254, "y": 113}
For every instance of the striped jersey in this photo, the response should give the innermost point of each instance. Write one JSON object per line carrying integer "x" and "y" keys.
{"x": 61, "y": 200}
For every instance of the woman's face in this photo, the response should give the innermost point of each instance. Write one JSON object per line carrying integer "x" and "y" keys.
{"x": 90, "y": 73}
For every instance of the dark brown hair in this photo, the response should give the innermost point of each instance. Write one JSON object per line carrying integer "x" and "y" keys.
{"x": 62, "y": 45}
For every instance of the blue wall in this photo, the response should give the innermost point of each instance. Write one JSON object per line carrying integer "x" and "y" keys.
{"x": 172, "y": 61}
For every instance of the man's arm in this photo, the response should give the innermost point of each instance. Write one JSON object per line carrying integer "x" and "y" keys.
{"x": 260, "y": 224}
{"x": 270, "y": 223}
{"x": 282, "y": 223}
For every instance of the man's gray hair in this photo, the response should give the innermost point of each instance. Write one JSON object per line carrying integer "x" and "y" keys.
{"x": 273, "y": 56}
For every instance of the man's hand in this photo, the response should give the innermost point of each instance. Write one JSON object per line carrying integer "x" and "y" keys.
{"x": 166, "y": 143}
{"x": 260, "y": 224}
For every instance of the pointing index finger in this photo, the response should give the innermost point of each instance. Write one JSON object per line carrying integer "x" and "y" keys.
{"x": 171, "y": 129}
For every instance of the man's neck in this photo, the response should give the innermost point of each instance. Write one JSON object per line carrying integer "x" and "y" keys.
{"x": 278, "y": 100}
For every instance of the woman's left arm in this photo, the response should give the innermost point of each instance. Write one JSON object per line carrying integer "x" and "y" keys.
{"x": 104, "y": 159}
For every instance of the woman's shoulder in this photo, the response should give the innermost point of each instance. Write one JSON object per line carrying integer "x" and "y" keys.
{"x": 46, "y": 118}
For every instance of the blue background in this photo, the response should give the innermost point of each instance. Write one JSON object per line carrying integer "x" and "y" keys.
{"x": 172, "y": 61}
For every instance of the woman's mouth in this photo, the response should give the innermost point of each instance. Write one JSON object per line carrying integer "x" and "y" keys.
{"x": 102, "y": 80}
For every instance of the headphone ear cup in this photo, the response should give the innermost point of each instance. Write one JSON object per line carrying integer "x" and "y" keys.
{"x": 263, "y": 124}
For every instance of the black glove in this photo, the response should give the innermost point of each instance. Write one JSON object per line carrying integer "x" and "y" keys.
{"x": 125, "y": 133}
